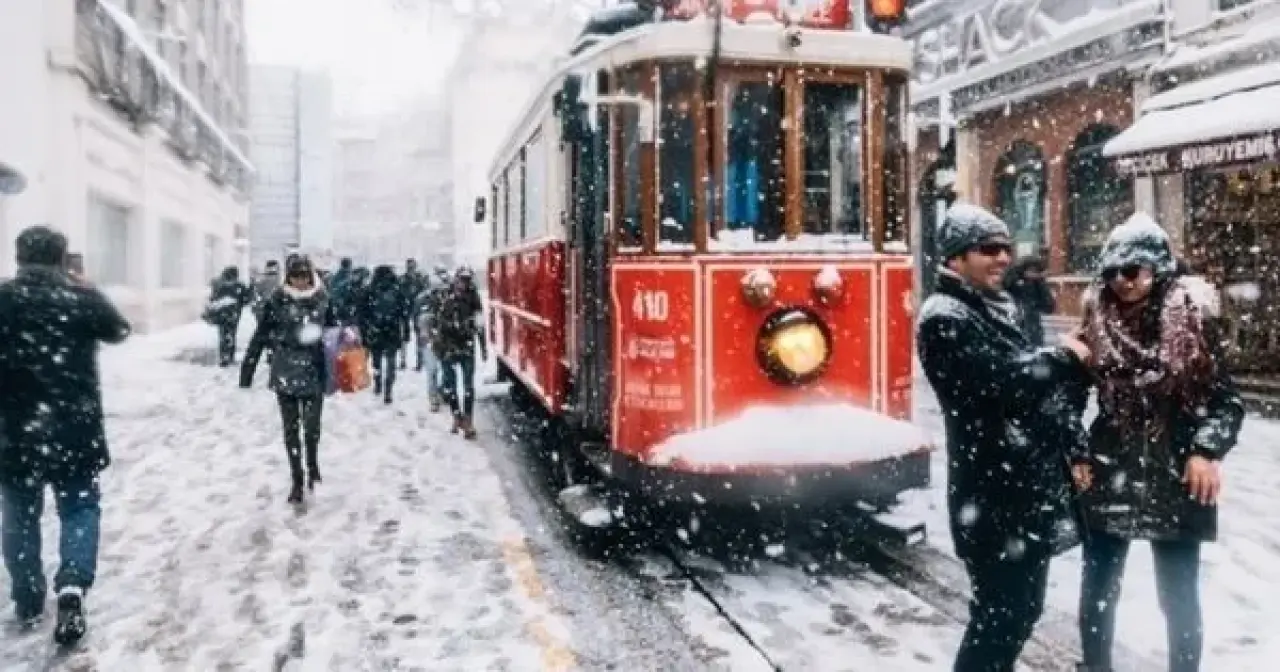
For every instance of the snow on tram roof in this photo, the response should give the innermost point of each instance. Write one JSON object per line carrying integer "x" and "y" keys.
{"x": 739, "y": 43}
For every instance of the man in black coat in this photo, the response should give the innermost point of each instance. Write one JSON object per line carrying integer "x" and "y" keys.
{"x": 411, "y": 285}
{"x": 1008, "y": 442}
{"x": 457, "y": 332}
{"x": 1025, "y": 281}
{"x": 51, "y": 323}
{"x": 227, "y": 300}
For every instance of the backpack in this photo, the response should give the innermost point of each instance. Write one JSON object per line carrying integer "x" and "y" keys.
{"x": 386, "y": 306}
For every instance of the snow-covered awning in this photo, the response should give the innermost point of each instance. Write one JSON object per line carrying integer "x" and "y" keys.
{"x": 1221, "y": 121}
{"x": 134, "y": 35}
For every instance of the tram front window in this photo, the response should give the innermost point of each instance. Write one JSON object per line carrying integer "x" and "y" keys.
{"x": 754, "y": 189}
{"x": 833, "y": 201}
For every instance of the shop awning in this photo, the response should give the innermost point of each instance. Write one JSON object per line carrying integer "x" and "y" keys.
{"x": 1218, "y": 122}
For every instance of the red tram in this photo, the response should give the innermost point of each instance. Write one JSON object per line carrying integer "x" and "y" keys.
{"x": 699, "y": 263}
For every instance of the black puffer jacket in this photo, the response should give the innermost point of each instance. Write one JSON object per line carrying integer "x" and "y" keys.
{"x": 228, "y": 298}
{"x": 1137, "y": 466}
{"x": 50, "y": 394}
{"x": 292, "y": 325}
{"x": 1009, "y": 434}
{"x": 1032, "y": 296}
{"x": 456, "y": 323}
{"x": 382, "y": 311}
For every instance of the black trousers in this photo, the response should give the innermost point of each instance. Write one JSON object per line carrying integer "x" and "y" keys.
{"x": 1008, "y": 598}
{"x": 227, "y": 342}
{"x": 300, "y": 417}
{"x": 1177, "y": 565}
{"x": 384, "y": 370}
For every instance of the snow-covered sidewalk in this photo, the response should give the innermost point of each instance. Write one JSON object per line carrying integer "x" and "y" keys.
{"x": 407, "y": 557}
{"x": 1240, "y": 583}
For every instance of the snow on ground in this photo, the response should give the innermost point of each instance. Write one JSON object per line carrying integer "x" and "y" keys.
{"x": 408, "y": 557}
{"x": 1241, "y": 571}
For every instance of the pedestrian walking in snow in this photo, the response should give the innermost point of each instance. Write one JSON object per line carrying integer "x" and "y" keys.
{"x": 1168, "y": 413}
{"x": 411, "y": 285}
{"x": 341, "y": 292}
{"x": 1025, "y": 282}
{"x": 292, "y": 325}
{"x": 457, "y": 334}
{"x": 382, "y": 313}
{"x": 51, "y": 323}
{"x": 1008, "y": 490}
{"x": 425, "y": 309}
{"x": 227, "y": 300}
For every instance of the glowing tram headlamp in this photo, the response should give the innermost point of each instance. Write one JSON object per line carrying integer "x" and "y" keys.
{"x": 794, "y": 346}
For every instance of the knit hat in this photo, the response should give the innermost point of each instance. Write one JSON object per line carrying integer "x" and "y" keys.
{"x": 1139, "y": 241}
{"x": 967, "y": 226}
{"x": 40, "y": 245}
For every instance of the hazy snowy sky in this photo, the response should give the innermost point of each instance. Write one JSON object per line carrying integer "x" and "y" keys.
{"x": 376, "y": 55}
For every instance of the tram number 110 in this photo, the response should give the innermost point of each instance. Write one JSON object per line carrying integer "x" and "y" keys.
{"x": 651, "y": 306}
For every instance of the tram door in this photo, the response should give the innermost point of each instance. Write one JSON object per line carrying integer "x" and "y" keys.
{"x": 588, "y": 167}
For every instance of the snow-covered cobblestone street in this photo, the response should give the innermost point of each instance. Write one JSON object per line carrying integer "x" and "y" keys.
{"x": 407, "y": 554}
{"x": 1240, "y": 583}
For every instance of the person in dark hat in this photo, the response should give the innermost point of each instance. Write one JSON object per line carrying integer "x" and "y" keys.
{"x": 1168, "y": 413}
{"x": 51, "y": 420}
{"x": 1009, "y": 436}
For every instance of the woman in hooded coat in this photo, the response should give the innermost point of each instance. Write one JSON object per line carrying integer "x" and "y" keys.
{"x": 292, "y": 324}
{"x": 1167, "y": 415}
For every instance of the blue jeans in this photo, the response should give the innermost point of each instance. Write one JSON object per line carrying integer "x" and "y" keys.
{"x": 432, "y": 366}
{"x": 462, "y": 407}
{"x": 80, "y": 515}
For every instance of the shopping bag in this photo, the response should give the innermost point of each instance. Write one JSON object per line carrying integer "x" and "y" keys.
{"x": 332, "y": 339}
{"x": 353, "y": 370}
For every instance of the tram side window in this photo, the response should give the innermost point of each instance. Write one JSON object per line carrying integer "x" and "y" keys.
{"x": 675, "y": 167}
{"x": 493, "y": 215}
{"x": 754, "y": 191}
{"x": 895, "y": 160}
{"x": 629, "y": 223}
{"x": 506, "y": 209}
{"x": 515, "y": 177}
{"x": 833, "y": 159}
{"x": 535, "y": 188}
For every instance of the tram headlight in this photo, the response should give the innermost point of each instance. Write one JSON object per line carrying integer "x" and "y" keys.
{"x": 794, "y": 346}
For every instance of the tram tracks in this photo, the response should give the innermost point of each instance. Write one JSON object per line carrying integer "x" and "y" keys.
{"x": 823, "y": 598}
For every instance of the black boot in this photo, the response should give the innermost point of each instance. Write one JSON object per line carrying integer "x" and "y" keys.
{"x": 296, "y": 476}
{"x": 71, "y": 625}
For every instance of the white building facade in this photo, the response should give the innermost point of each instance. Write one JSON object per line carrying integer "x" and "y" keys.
{"x": 291, "y": 131}
{"x": 501, "y": 66}
{"x": 123, "y": 119}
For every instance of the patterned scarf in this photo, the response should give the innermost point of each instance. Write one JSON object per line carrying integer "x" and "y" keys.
{"x": 1152, "y": 354}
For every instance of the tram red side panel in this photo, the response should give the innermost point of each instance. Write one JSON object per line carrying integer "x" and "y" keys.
{"x": 898, "y": 282}
{"x": 735, "y": 380}
{"x": 656, "y": 353}
{"x": 527, "y": 317}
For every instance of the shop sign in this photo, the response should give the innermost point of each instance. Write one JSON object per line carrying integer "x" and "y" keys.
{"x": 831, "y": 14}
{"x": 1217, "y": 154}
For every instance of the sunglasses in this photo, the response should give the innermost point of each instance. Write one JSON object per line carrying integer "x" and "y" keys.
{"x": 1130, "y": 272}
{"x": 994, "y": 249}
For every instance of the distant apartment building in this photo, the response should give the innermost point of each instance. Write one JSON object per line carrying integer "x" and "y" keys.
{"x": 291, "y": 131}
{"x": 125, "y": 118}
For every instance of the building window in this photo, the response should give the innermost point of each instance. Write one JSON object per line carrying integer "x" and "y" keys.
{"x": 211, "y": 257}
{"x": 1097, "y": 198}
{"x": 173, "y": 242}
{"x": 1228, "y": 5}
{"x": 1020, "y": 194}
{"x": 108, "y": 259}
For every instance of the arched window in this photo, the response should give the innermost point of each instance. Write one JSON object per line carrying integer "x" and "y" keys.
{"x": 1020, "y": 190}
{"x": 1097, "y": 198}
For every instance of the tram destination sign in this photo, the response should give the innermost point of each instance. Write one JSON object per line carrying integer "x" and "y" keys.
{"x": 1214, "y": 154}
{"x": 822, "y": 14}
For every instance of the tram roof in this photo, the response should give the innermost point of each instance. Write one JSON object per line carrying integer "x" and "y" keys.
{"x": 739, "y": 44}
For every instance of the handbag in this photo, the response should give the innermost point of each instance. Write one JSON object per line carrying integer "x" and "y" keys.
{"x": 353, "y": 370}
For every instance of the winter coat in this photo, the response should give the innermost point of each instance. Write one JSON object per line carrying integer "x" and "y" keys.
{"x": 1009, "y": 433}
{"x": 381, "y": 313}
{"x": 50, "y": 394}
{"x": 426, "y": 306}
{"x": 1033, "y": 298}
{"x": 1138, "y": 464}
{"x": 342, "y": 295}
{"x": 457, "y": 323}
{"x": 292, "y": 326}
{"x": 411, "y": 285}
{"x": 227, "y": 299}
